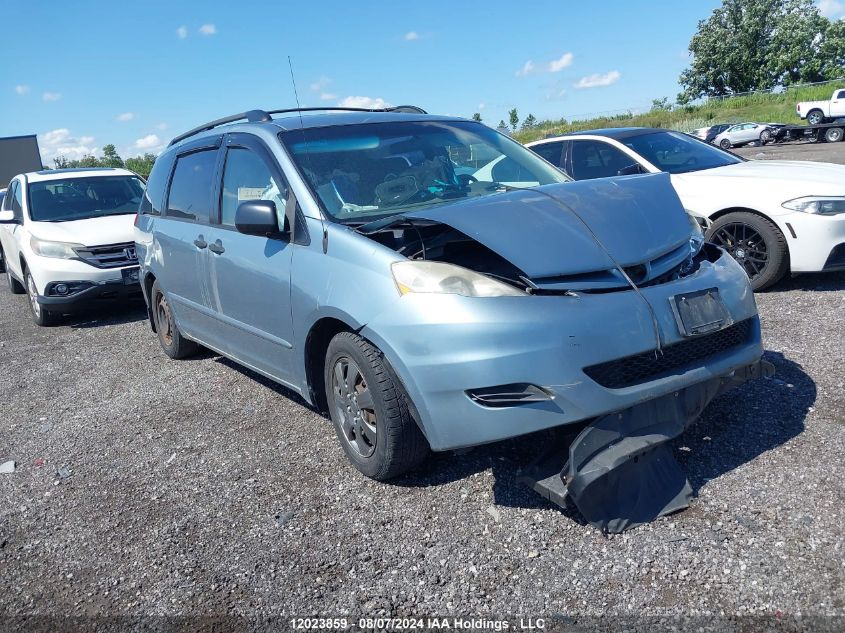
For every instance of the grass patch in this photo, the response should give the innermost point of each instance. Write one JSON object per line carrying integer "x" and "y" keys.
{"x": 762, "y": 108}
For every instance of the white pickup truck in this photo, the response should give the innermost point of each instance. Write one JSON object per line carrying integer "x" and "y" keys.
{"x": 818, "y": 112}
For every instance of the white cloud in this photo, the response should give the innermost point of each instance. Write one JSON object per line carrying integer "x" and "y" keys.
{"x": 481, "y": 106}
{"x": 565, "y": 61}
{"x": 21, "y": 89}
{"x": 208, "y": 29}
{"x": 60, "y": 143}
{"x": 410, "y": 36}
{"x": 364, "y": 102}
{"x": 51, "y": 96}
{"x": 527, "y": 69}
{"x": 597, "y": 80}
{"x": 161, "y": 126}
{"x": 182, "y": 32}
{"x": 832, "y": 8}
{"x": 150, "y": 142}
{"x": 126, "y": 116}
{"x": 328, "y": 96}
{"x": 320, "y": 84}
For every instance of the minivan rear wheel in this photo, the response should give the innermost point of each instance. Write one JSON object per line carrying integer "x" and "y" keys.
{"x": 172, "y": 342}
{"x": 370, "y": 410}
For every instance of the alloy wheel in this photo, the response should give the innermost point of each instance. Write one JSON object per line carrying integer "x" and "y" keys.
{"x": 354, "y": 406}
{"x": 32, "y": 291}
{"x": 745, "y": 245}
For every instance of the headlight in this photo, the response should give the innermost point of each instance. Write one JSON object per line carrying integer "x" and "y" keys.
{"x": 820, "y": 205}
{"x": 442, "y": 278}
{"x": 696, "y": 239}
{"x": 61, "y": 250}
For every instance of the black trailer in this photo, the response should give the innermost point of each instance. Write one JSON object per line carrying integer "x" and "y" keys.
{"x": 18, "y": 155}
{"x": 828, "y": 132}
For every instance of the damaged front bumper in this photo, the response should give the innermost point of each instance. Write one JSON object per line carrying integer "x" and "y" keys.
{"x": 619, "y": 471}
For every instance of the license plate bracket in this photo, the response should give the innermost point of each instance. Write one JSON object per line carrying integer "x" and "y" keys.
{"x": 701, "y": 312}
{"x": 130, "y": 275}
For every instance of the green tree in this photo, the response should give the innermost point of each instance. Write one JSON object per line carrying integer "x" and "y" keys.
{"x": 476, "y": 117}
{"x": 141, "y": 165}
{"x": 529, "y": 123}
{"x": 748, "y": 45}
{"x": 502, "y": 124}
{"x": 661, "y": 104}
{"x": 514, "y": 118}
{"x": 110, "y": 157}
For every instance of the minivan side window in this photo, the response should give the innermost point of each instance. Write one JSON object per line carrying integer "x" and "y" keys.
{"x": 153, "y": 198}
{"x": 247, "y": 177}
{"x": 15, "y": 197}
{"x": 190, "y": 189}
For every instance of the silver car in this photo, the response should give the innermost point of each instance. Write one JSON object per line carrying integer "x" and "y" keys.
{"x": 432, "y": 284}
{"x": 743, "y": 134}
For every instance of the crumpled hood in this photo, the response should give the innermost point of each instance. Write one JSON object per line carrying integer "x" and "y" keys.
{"x": 795, "y": 178}
{"x": 637, "y": 218}
{"x": 113, "y": 229}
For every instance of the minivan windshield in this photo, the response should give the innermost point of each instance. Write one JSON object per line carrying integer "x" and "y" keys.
{"x": 677, "y": 153}
{"x": 69, "y": 199}
{"x": 361, "y": 172}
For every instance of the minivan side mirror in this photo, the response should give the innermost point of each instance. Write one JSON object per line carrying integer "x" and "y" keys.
{"x": 257, "y": 217}
{"x": 8, "y": 217}
{"x": 630, "y": 170}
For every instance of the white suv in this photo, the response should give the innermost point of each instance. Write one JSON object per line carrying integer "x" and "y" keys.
{"x": 67, "y": 238}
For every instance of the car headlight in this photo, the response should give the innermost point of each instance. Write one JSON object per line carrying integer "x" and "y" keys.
{"x": 819, "y": 205}
{"x": 442, "y": 278}
{"x": 696, "y": 239}
{"x": 60, "y": 250}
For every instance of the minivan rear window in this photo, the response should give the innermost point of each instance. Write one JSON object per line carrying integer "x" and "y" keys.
{"x": 190, "y": 189}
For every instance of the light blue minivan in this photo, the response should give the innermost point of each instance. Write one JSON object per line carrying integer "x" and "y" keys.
{"x": 432, "y": 284}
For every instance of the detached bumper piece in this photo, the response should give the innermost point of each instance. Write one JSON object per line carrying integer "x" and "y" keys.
{"x": 619, "y": 471}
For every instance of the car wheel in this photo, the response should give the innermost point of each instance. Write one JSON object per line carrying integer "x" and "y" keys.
{"x": 756, "y": 243}
{"x": 765, "y": 136}
{"x": 370, "y": 410}
{"x": 725, "y": 144}
{"x": 833, "y": 135}
{"x": 815, "y": 117}
{"x": 172, "y": 342}
{"x": 2, "y": 261}
{"x": 15, "y": 287}
{"x": 40, "y": 315}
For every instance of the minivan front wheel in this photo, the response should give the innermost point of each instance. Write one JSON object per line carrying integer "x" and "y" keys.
{"x": 369, "y": 410}
{"x": 172, "y": 342}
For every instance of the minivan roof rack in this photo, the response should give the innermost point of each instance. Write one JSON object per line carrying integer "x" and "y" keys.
{"x": 262, "y": 116}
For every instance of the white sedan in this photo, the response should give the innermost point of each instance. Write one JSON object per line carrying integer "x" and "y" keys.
{"x": 772, "y": 216}
{"x": 743, "y": 134}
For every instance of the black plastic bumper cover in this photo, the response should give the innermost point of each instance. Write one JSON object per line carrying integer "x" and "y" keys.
{"x": 91, "y": 297}
{"x": 619, "y": 471}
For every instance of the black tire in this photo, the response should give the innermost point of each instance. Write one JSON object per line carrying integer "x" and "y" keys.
{"x": 833, "y": 134}
{"x": 2, "y": 261}
{"x": 765, "y": 136}
{"x": 172, "y": 342}
{"x": 382, "y": 440}
{"x": 725, "y": 144}
{"x": 756, "y": 243}
{"x": 40, "y": 315}
{"x": 815, "y": 117}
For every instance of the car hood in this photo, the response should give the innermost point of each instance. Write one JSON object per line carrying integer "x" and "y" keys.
{"x": 113, "y": 229}
{"x": 800, "y": 178}
{"x": 637, "y": 219}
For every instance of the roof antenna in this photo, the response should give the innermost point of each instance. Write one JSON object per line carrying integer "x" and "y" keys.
{"x": 305, "y": 140}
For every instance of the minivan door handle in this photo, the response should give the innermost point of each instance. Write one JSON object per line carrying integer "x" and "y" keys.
{"x": 216, "y": 247}
{"x": 200, "y": 242}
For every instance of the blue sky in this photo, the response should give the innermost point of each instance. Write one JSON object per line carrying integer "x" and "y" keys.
{"x": 87, "y": 73}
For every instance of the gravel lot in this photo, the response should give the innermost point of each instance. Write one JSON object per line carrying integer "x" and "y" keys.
{"x": 149, "y": 487}
{"x": 820, "y": 152}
